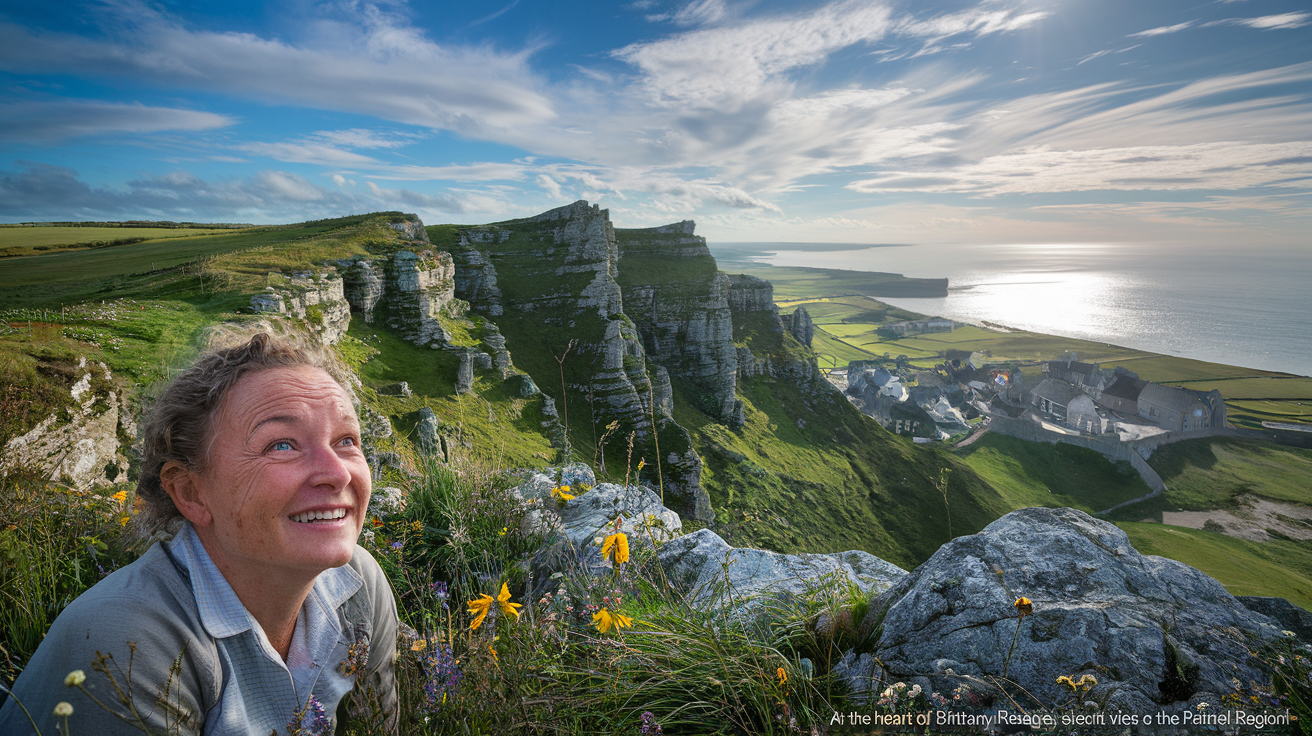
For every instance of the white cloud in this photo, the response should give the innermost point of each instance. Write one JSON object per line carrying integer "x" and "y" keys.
{"x": 56, "y": 120}
{"x": 307, "y": 153}
{"x": 1163, "y": 30}
{"x": 1271, "y": 22}
{"x": 700, "y": 13}
{"x": 364, "y": 138}
{"x": 374, "y": 65}
{"x": 551, "y": 185}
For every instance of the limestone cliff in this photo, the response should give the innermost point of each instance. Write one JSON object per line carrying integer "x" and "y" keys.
{"x": 680, "y": 304}
{"x": 78, "y": 445}
{"x": 549, "y": 283}
{"x": 316, "y": 298}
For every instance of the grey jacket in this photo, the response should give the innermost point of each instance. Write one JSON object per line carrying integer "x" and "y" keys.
{"x": 151, "y": 604}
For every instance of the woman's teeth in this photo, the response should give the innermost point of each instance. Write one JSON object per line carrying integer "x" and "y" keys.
{"x": 312, "y": 516}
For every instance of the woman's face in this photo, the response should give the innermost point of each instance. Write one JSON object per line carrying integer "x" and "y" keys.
{"x": 287, "y": 483}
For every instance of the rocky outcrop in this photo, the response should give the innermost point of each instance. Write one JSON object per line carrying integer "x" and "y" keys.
{"x": 412, "y": 230}
{"x": 801, "y": 326}
{"x": 711, "y": 574}
{"x": 317, "y": 299}
{"x": 555, "y": 283}
{"x": 748, "y": 295}
{"x": 1154, "y": 632}
{"x": 680, "y": 304}
{"x": 363, "y": 285}
{"x": 465, "y": 373}
{"x": 79, "y": 446}
{"x": 420, "y": 291}
{"x": 1287, "y": 615}
{"x": 428, "y": 434}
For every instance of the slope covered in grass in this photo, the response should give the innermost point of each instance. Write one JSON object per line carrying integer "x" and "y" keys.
{"x": 1277, "y": 568}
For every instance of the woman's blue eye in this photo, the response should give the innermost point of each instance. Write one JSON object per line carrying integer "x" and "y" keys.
{"x": 281, "y": 446}
{"x": 348, "y": 441}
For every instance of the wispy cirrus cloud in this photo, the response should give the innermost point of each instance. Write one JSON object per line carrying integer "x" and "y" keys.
{"x": 1163, "y": 30}
{"x": 51, "y": 121}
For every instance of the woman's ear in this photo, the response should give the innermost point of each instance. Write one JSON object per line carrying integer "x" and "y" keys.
{"x": 183, "y": 486}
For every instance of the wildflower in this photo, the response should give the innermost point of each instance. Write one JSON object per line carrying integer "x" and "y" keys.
{"x": 503, "y": 531}
{"x": 1023, "y": 606}
{"x": 605, "y": 621}
{"x": 123, "y": 521}
{"x": 63, "y": 709}
{"x": 419, "y": 645}
{"x": 561, "y": 493}
{"x": 396, "y": 545}
{"x": 310, "y": 720}
{"x": 616, "y": 547}
{"x": 490, "y": 648}
{"x": 641, "y": 464}
{"x": 442, "y": 677}
{"x": 649, "y": 725}
{"x": 417, "y": 526}
{"x": 120, "y": 497}
{"x": 478, "y": 608}
{"x": 1064, "y": 680}
{"x": 782, "y": 675}
{"x": 503, "y": 601}
{"x": 75, "y": 678}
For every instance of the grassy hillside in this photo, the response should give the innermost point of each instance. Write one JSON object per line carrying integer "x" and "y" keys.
{"x": 1277, "y": 568}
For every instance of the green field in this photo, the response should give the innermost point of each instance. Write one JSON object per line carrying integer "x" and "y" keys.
{"x": 1210, "y": 473}
{"x": 1277, "y": 568}
{"x": 28, "y": 241}
{"x": 809, "y": 283}
{"x": 1040, "y": 474}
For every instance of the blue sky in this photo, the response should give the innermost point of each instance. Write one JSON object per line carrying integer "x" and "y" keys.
{"x": 850, "y": 121}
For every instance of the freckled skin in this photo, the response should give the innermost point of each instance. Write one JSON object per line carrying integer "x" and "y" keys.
{"x": 286, "y": 441}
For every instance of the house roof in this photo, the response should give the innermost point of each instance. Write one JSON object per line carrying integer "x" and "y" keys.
{"x": 1125, "y": 387}
{"x": 1074, "y": 366}
{"x": 1176, "y": 399}
{"x": 1056, "y": 391}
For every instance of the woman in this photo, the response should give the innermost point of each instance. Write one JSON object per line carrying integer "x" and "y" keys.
{"x": 261, "y": 612}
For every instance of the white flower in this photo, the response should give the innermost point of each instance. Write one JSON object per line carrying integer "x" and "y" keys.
{"x": 63, "y": 710}
{"x": 75, "y": 678}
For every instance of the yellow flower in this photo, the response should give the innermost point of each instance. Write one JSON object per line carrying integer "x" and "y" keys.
{"x": 417, "y": 526}
{"x": 562, "y": 493}
{"x": 605, "y": 621}
{"x": 121, "y": 496}
{"x": 495, "y": 658}
{"x": 419, "y": 645}
{"x": 642, "y": 463}
{"x": 1023, "y": 606}
{"x": 508, "y": 608}
{"x": 63, "y": 710}
{"x": 503, "y": 531}
{"x": 1064, "y": 680}
{"x": 478, "y": 608}
{"x": 616, "y": 547}
{"x": 124, "y": 521}
{"x": 782, "y": 675}
{"x": 75, "y": 678}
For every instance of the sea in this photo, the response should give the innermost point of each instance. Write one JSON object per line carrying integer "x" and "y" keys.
{"x": 1242, "y": 305}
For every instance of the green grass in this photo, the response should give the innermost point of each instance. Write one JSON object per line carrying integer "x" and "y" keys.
{"x": 811, "y": 283}
{"x": 1276, "y": 568}
{"x": 1054, "y": 475}
{"x": 31, "y": 241}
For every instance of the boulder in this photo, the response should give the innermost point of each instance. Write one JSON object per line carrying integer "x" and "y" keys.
{"x": 386, "y": 500}
{"x": 1289, "y": 616}
{"x": 1154, "y": 632}
{"x": 590, "y": 514}
{"x": 426, "y": 433}
{"x": 465, "y": 374}
{"x": 696, "y": 566}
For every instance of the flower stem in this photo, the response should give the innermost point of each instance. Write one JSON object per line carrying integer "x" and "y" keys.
{"x": 1014, "y": 637}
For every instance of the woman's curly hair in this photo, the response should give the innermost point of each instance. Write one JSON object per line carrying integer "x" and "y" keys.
{"x": 179, "y": 425}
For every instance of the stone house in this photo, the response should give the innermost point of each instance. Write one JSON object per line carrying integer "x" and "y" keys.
{"x": 1122, "y": 396}
{"x": 1068, "y": 404}
{"x": 1180, "y": 409}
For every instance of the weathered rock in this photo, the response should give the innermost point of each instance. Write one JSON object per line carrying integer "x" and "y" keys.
{"x": 680, "y": 304}
{"x": 363, "y": 287}
{"x": 593, "y": 513}
{"x": 396, "y": 389}
{"x": 801, "y": 326}
{"x": 427, "y": 437}
{"x": 748, "y": 294}
{"x": 376, "y": 425}
{"x": 420, "y": 291}
{"x": 316, "y": 299}
{"x": 82, "y": 451}
{"x": 465, "y": 374}
{"x": 411, "y": 230}
{"x": 522, "y": 386}
{"x": 556, "y": 280}
{"x": 695, "y": 565}
{"x": 387, "y": 500}
{"x": 662, "y": 392}
{"x": 1151, "y": 630}
{"x": 1289, "y": 616}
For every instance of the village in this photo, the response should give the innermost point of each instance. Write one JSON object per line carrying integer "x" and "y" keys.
{"x": 1061, "y": 398}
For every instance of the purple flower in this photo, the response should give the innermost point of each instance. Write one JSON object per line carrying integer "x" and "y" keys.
{"x": 310, "y": 720}
{"x": 396, "y": 545}
{"x": 442, "y": 677}
{"x": 649, "y": 725}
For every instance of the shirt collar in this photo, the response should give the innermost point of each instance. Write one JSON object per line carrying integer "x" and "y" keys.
{"x": 221, "y": 611}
